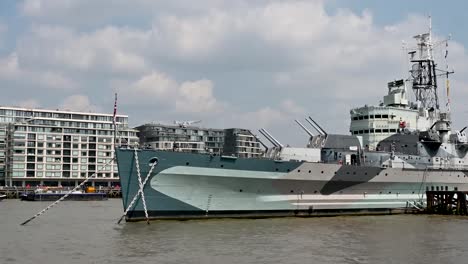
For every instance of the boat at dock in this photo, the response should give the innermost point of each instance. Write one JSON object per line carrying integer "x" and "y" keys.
{"x": 396, "y": 151}
{"x": 51, "y": 194}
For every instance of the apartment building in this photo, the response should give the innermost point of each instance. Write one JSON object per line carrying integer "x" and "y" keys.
{"x": 55, "y": 147}
{"x": 235, "y": 141}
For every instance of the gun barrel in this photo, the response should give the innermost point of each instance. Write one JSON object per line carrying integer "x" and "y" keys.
{"x": 315, "y": 127}
{"x": 259, "y": 140}
{"x": 274, "y": 139}
{"x": 268, "y": 138}
{"x": 304, "y": 128}
{"x": 321, "y": 129}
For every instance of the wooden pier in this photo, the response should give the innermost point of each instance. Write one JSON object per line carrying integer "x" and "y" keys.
{"x": 15, "y": 192}
{"x": 447, "y": 202}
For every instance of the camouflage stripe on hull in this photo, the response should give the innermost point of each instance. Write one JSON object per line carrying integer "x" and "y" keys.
{"x": 187, "y": 185}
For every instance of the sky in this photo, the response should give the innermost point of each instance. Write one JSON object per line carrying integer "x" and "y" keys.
{"x": 246, "y": 63}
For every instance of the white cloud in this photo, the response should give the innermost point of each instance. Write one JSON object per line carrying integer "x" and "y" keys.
{"x": 28, "y": 103}
{"x": 270, "y": 116}
{"x": 55, "y": 81}
{"x": 294, "y": 23}
{"x": 265, "y": 117}
{"x": 195, "y": 36}
{"x": 159, "y": 88}
{"x": 9, "y": 68}
{"x": 79, "y": 102}
{"x": 32, "y": 7}
{"x": 155, "y": 87}
{"x": 107, "y": 50}
{"x": 197, "y": 97}
{"x": 292, "y": 107}
{"x": 271, "y": 61}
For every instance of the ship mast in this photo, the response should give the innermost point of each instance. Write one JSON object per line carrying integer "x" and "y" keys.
{"x": 423, "y": 72}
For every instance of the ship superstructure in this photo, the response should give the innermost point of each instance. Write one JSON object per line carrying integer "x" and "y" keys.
{"x": 396, "y": 152}
{"x": 396, "y": 113}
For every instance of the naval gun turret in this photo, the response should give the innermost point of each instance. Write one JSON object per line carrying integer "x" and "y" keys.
{"x": 460, "y": 139}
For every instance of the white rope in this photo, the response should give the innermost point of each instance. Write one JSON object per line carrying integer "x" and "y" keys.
{"x": 140, "y": 191}
{"x": 67, "y": 194}
{"x": 140, "y": 184}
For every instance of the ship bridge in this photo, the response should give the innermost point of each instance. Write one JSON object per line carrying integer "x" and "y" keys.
{"x": 394, "y": 115}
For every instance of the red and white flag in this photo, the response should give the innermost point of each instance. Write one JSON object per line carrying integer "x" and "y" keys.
{"x": 114, "y": 120}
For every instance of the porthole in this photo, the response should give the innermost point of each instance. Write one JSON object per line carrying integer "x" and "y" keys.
{"x": 310, "y": 171}
{"x": 315, "y": 191}
{"x": 347, "y": 172}
{"x": 322, "y": 172}
{"x": 222, "y": 166}
{"x": 276, "y": 169}
{"x": 152, "y": 161}
{"x": 187, "y": 163}
{"x": 291, "y": 191}
{"x": 386, "y": 174}
{"x": 240, "y": 190}
{"x": 288, "y": 170}
{"x": 365, "y": 173}
{"x": 298, "y": 170}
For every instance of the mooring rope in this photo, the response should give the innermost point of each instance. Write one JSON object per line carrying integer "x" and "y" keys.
{"x": 141, "y": 185}
{"x": 140, "y": 190}
{"x": 68, "y": 194}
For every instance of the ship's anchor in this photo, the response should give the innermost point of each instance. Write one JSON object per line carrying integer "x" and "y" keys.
{"x": 142, "y": 186}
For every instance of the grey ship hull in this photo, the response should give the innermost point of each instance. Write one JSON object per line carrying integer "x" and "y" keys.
{"x": 185, "y": 185}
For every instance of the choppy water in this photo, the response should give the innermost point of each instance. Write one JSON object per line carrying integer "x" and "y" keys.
{"x": 86, "y": 232}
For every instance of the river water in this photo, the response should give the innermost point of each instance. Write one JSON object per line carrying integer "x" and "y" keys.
{"x": 86, "y": 232}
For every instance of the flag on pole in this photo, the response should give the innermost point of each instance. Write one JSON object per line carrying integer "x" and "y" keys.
{"x": 114, "y": 120}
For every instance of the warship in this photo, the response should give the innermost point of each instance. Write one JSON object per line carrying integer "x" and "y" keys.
{"x": 395, "y": 152}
